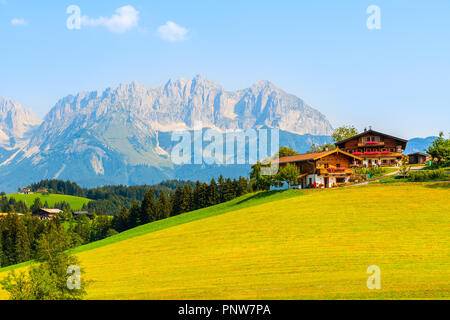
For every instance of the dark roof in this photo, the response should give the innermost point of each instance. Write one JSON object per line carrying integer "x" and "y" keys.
{"x": 80, "y": 212}
{"x": 368, "y": 132}
{"x": 418, "y": 153}
{"x": 312, "y": 156}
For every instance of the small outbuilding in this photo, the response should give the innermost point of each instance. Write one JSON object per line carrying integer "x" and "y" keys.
{"x": 78, "y": 214}
{"x": 418, "y": 158}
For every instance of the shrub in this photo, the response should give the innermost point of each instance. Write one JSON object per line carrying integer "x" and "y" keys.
{"x": 419, "y": 176}
{"x": 373, "y": 171}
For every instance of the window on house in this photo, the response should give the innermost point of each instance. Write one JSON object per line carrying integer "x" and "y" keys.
{"x": 340, "y": 180}
{"x": 326, "y": 165}
{"x": 338, "y": 165}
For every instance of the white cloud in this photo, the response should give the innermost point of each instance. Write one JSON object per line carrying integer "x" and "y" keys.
{"x": 18, "y": 22}
{"x": 172, "y": 32}
{"x": 125, "y": 19}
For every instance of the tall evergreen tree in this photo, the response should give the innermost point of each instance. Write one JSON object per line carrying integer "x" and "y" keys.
{"x": 134, "y": 216}
{"x": 204, "y": 195}
{"x": 213, "y": 194}
{"x": 22, "y": 242}
{"x": 196, "y": 196}
{"x": 186, "y": 199}
{"x": 176, "y": 200}
{"x": 148, "y": 208}
{"x": 163, "y": 206}
{"x": 120, "y": 221}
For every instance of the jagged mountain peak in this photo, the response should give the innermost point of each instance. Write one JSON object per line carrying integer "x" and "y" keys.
{"x": 16, "y": 123}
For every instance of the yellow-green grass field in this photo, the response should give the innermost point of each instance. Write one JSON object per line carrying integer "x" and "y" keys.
{"x": 76, "y": 203}
{"x": 314, "y": 244}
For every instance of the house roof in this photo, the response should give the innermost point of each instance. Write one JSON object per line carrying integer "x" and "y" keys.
{"x": 51, "y": 211}
{"x": 370, "y": 131}
{"x": 418, "y": 153}
{"x": 313, "y": 156}
{"x": 80, "y": 212}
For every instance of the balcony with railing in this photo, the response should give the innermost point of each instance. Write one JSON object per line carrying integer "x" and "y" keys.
{"x": 333, "y": 170}
{"x": 371, "y": 144}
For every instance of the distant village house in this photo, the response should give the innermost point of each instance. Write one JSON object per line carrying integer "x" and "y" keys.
{"x": 25, "y": 191}
{"x": 46, "y": 214}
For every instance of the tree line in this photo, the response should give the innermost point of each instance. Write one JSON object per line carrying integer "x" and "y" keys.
{"x": 108, "y": 199}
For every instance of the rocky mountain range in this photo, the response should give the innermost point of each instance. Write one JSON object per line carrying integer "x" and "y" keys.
{"x": 123, "y": 135}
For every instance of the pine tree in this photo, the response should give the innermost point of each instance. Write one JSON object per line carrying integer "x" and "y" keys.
{"x": 242, "y": 187}
{"x": 148, "y": 208}
{"x": 221, "y": 188}
{"x": 228, "y": 190}
{"x": 213, "y": 195}
{"x": 120, "y": 221}
{"x": 196, "y": 196}
{"x": 204, "y": 195}
{"x": 36, "y": 205}
{"x": 164, "y": 208}
{"x": 22, "y": 243}
{"x": 186, "y": 199}
{"x": 176, "y": 200}
{"x": 134, "y": 216}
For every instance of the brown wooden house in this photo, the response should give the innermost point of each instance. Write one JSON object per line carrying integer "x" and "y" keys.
{"x": 418, "y": 158}
{"x": 322, "y": 169}
{"x": 375, "y": 148}
{"x": 46, "y": 214}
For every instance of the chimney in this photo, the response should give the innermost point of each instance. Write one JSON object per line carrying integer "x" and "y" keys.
{"x": 326, "y": 149}
{"x": 365, "y": 129}
{"x": 370, "y": 127}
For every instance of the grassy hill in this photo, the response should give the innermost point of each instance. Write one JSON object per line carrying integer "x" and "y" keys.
{"x": 285, "y": 245}
{"x": 76, "y": 203}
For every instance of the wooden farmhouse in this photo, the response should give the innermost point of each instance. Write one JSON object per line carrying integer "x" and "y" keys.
{"x": 375, "y": 148}
{"x": 25, "y": 191}
{"x": 46, "y": 214}
{"x": 322, "y": 169}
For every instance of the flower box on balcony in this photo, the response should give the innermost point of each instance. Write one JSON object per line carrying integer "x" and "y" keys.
{"x": 357, "y": 153}
{"x": 371, "y": 153}
{"x": 385, "y": 152}
{"x": 371, "y": 142}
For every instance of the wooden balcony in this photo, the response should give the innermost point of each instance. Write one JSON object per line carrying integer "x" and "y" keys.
{"x": 380, "y": 155}
{"x": 322, "y": 170}
{"x": 370, "y": 144}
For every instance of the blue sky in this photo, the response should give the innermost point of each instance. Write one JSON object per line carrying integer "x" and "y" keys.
{"x": 395, "y": 79}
